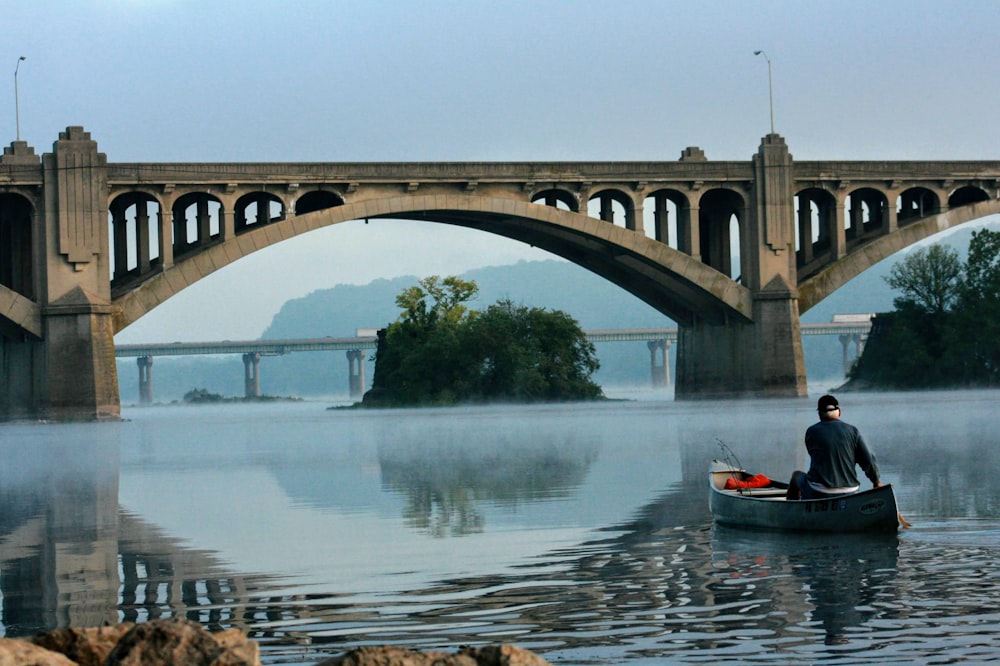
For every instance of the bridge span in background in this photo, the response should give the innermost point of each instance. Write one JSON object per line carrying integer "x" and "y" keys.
{"x": 733, "y": 251}
{"x": 849, "y": 328}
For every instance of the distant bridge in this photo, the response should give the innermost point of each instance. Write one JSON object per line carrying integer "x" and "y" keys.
{"x": 850, "y": 328}
{"x": 733, "y": 251}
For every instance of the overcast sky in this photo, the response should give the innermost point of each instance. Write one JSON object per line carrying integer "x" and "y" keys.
{"x": 241, "y": 81}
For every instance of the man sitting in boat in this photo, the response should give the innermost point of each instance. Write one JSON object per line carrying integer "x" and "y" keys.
{"x": 834, "y": 447}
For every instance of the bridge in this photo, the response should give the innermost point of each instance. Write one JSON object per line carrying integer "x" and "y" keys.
{"x": 733, "y": 251}
{"x": 849, "y": 328}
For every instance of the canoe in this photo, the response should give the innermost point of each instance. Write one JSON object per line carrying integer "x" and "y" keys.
{"x": 766, "y": 507}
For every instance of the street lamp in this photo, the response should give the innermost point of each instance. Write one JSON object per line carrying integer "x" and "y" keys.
{"x": 770, "y": 89}
{"x": 17, "y": 108}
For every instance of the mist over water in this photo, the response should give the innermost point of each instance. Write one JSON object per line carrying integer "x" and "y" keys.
{"x": 580, "y": 531}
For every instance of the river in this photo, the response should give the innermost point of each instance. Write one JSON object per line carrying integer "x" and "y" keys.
{"x": 579, "y": 531}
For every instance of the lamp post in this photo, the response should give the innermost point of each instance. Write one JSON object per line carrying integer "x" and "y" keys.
{"x": 770, "y": 89}
{"x": 17, "y": 108}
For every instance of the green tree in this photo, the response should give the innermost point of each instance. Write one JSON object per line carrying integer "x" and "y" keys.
{"x": 928, "y": 278}
{"x": 527, "y": 354}
{"x": 945, "y": 330}
{"x": 440, "y": 352}
{"x": 976, "y": 336}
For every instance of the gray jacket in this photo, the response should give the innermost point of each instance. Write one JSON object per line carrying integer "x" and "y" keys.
{"x": 834, "y": 448}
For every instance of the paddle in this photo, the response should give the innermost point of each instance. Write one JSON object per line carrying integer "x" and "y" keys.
{"x": 902, "y": 521}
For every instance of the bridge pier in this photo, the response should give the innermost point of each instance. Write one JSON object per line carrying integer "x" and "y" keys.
{"x": 859, "y": 345}
{"x": 763, "y": 356}
{"x": 659, "y": 362}
{"x": 57, "y": 354}
{"x": 145, "y": 364}
{"x": 356, "y": 373}
{"x": 251, "y": 374}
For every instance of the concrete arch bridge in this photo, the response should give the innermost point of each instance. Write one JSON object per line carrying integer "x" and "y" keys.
{"x": 733, "y": 251}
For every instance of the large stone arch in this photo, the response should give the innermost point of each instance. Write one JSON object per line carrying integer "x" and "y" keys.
{"x": 816, "y": 288}
{"x": 668, "y": 280}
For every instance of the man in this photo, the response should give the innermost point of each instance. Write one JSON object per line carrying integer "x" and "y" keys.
{"x": 834, "y": 447}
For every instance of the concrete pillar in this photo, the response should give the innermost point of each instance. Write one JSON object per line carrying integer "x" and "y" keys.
{"x": 760, "y": 356}
{"x": 659, "y": 364}
{"x": 119, "y": 228}
{"x": 204, "y": 221}
{"x": 661, "y": 219}
{"x": 844, "y": 342}
{"x": 78, "y": 378}
{"x": 145, "y": 364}
{"x": 805, "y": 230}
{"x": 142, "y": 236}
{"x": 607, "y": 212}
{"x": 356, "y": 373}
{"x": 251, "y": 374}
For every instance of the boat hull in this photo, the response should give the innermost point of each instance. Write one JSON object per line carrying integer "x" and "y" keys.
{"x": 866, "y": 511}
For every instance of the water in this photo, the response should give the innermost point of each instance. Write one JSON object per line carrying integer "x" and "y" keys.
{"x": 581, "y": 532}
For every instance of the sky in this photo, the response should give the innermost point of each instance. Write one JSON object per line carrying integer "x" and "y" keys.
{"x": 478, "y": 80}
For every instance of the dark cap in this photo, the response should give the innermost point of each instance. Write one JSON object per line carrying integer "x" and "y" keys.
{"x": 827, "y": 403}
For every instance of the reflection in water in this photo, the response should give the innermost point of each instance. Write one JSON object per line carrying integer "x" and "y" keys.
{"x": 843, "y": 577}
{"x": 58, "y": 530}
{"x": 443, "y": 481}
{"x": 581, "y": 532}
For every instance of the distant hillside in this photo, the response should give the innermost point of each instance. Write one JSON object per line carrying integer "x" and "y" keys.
{"x": 594, "y": 302}
{"x": 556, "y": 285}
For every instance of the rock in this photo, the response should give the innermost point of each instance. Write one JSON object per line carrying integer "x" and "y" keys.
{"x": 503, "y": 655}
{"x": 177, "y": 642}
{"x": 86, "y": 647}
{"x": 15, "y": 652}
{"x": 492, "y": 655}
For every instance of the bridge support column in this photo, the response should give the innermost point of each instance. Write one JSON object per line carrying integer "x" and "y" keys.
{"x": 356, "y": 373}
{"x": 145, "y": 364}
{"x": 65, "y": 368}
{"x": 659, "y": 364}
{"x": 759, "y": 359}
{"x": 762, "y": 356}
{"x": 251, "y": 374}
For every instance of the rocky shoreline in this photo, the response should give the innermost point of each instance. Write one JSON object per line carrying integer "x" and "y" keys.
{"x": 177, "y": 642}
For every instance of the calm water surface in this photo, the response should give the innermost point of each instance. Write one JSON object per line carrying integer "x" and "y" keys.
{"x": 581, "y": 532}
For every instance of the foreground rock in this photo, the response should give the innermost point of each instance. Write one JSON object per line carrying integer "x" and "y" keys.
{"x": 173, "y": 642}
{"x": 177, "y": 642}
{"x": 491, "y": 655}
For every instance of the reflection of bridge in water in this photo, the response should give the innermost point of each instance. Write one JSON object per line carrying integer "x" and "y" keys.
{"x": 849, "y": 329}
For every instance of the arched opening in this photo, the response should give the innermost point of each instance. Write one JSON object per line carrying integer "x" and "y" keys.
{"x": 310, "y": 202}
{"x": 864, "y": 214}
{"x": 196, "y": 222}
{"x": 815, "y": 213}
{"x": 666, "y": 215}
{"x": 557, "y": 199}
{"x": 966, "y": 195}
{"x": 16, "y": 269}
{"x": 719, "y": 227}
{"x": 257, "y": 209}
{"x": 134, "y": 235}
{"x": 915, "y": 203}
{"x": 612, "y": 206}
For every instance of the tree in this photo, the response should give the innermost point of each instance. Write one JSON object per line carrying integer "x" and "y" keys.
{"x": 527, "y": 354}
{"x": 945, "y": 330}
{"x": 436, "y": 300}
{"x": 440, "y": 352}
{"x": 928, "y": 278}
{"x": 976, "y": 336}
